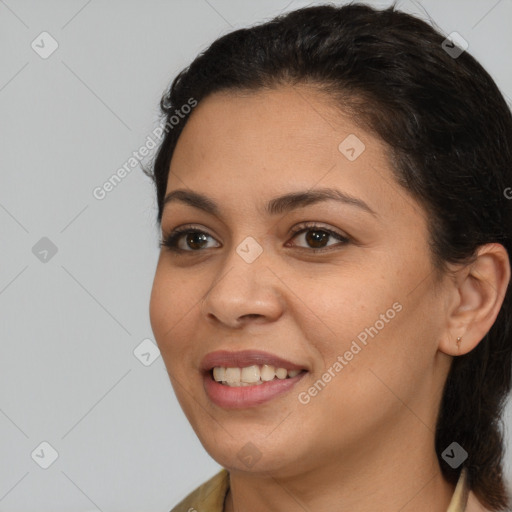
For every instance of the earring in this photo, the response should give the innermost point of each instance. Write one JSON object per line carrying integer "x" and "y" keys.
{"x": 458, "y": 341}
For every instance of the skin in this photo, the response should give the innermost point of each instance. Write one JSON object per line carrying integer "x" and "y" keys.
{"x": 365, "y": 442}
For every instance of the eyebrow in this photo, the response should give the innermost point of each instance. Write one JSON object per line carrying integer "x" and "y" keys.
{"x": 278, "y": 205}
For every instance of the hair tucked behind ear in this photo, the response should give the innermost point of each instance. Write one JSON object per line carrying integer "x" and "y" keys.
{"x": 449, "y": 132}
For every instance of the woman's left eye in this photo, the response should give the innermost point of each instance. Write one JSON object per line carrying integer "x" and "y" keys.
{"x": 316, "y": 238}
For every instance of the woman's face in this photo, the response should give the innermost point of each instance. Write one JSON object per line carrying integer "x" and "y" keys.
{"x": 360, "y": 316}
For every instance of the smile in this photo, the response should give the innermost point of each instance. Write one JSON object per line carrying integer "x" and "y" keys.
{"x": 247, "y": 379}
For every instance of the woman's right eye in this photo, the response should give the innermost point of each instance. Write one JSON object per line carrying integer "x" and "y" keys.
{"x": 186, "y": 240}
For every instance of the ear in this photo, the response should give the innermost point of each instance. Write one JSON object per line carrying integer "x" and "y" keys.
{"x": 479, "y": 289}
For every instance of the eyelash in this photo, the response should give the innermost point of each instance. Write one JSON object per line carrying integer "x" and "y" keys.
{"x": 170, "y": 241}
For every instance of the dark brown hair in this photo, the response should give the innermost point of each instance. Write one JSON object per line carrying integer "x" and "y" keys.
{"x": 449, "y": 132}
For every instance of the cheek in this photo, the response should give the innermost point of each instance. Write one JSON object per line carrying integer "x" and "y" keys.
{"x": 170, "y": 302}
{"x": 359, "y": 386}
{"x": 369, "y": 321}
{"x": 337, "y": 305}
{"x": 158, "y": 305}
{"x": 387, "y": 350}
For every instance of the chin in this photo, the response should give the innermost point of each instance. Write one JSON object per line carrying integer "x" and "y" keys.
{"x": 251, "y": 451}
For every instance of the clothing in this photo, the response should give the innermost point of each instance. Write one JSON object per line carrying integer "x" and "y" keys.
{"x": 210, "y": 496}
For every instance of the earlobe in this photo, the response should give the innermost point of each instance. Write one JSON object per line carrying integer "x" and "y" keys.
{"x": 480, "y": 289}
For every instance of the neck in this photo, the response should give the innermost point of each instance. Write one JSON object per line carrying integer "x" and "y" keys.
{"x": 403, "y": 476}
{"x": 432, "y": 493}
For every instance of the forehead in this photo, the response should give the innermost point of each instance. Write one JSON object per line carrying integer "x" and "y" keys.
{"x": 269, "y": 124}
{"x": 259, "y": 144}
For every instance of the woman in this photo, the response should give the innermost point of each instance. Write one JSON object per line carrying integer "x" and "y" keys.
{"x": 332, "y": 296}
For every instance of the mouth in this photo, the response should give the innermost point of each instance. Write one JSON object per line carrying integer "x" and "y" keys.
{"x": 234, "y": 380}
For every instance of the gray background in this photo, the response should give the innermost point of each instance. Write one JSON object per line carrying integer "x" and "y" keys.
{"x": 70, "y": 324}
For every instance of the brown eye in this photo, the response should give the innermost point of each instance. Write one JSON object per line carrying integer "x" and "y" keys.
{"x": 317, "y": 237}
{"x": 194, "y": 240}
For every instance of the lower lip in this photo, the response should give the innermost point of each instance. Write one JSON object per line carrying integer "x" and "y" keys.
{"x": 240, "y": 397}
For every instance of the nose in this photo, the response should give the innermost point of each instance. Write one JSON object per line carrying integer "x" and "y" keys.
{"x": 243, "y": 292}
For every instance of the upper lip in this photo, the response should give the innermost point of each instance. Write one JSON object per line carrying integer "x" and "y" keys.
{"x": 243, "y": 358}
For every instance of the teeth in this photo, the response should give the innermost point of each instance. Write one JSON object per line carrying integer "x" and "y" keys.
{"x": 267, "y": 373}
{"x": 251, "y": 375}
{"x": 219, "y": 373}
{"x": 232, "y": 375}
{"x": 281, "y": 373}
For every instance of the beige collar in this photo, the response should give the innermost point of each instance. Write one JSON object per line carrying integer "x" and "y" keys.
{"x": 460, "y": 495}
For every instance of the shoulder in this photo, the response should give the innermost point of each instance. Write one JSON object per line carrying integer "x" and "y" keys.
{"x": 209, "y": 496}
